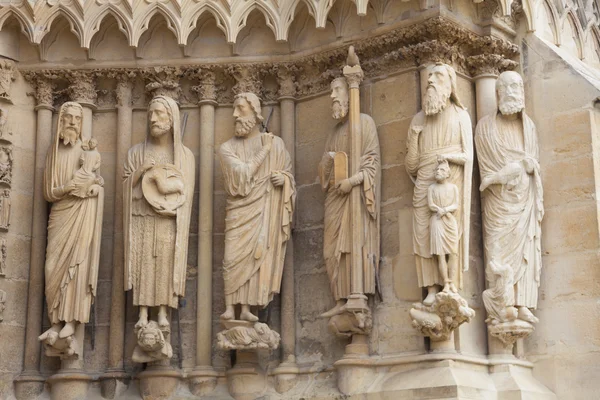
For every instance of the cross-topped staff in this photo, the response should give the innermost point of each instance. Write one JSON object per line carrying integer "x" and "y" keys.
{"x": 357, "y": 301}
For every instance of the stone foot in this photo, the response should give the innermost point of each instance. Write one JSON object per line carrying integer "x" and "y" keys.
{"x": 526, "y": 315}
{"x": 246, "y": 315}
{"x": 339, "y": 308}
{"x": 429, "y": 299}
{"x": 67, "y": 331}
{"x": 54, "y": 329}
{"x": 229, "y": 314}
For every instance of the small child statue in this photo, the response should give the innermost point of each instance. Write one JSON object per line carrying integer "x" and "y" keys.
{"x": 443, "y": 199}
{"x": 86, "y": 179}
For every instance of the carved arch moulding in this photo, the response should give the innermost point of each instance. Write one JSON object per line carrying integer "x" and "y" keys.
{"x": 133, "y": 16}
{"x": 436, "y": 39}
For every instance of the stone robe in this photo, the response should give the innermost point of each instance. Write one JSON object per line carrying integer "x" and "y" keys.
{"x": 337, "y": 245}
{"x": 512, "y": 215}
{"x": 448, "y": 132}
{"x": 74, "y": 232}
{"x": 156, "y": 246}
{"x": 444, "y": 230}
{"x": 258, "y": 220}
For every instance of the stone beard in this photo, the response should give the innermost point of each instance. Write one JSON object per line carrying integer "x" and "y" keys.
{"x": 261, "y": 194}
{"x": 337, "y": 245}
{"x": 156, "y": 233}
{"x": 512, "y": 194}
{"x": 74, "y": 228}
{"x": 442, "y": 131}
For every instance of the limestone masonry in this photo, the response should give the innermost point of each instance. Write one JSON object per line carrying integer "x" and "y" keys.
{"x": 299, "y": 199}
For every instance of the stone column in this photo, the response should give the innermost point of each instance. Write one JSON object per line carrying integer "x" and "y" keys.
{"x": 30, "y": 383}
{"x": 287, "y": 371}
{"x": 203, "y": 378}
{"x": 115, "y": 380}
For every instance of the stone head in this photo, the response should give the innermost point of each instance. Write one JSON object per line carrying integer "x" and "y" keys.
{"x": 71, "y": 116}
{"x": 441, "y": 83}
{"x": 247, "y": 113}
{"x": 160, "y": 117}
{"x": 510, "y": 93}
{"x": 442, "y": 171}
{"x": 339, "y": 98}
{"x": 150, "y": 338}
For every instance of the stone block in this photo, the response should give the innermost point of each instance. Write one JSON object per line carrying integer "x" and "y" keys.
{"x": 392, "y": 141}
{"x": 310, "y": 206}
{"x": 406, "y": 286}
{"x": 23, "y": 165}
{"x": 568, "y": 180}
{"x": 11, "y": 357}
{"x": 17, "y": 256}
{"x": 308, "y": 252}
{"x": 314, "y": 296}
{"x": 390, "y": 231}
{"x": 394, "y": 330}
{"x": 570, "y": 228}
{"x": 405, "y": 238}
{"x": 21, "y": 211}
{"x": 96, "y": 359}
{"x": 16, "y": 308}
{"x": 568, "y": 277}
{"x": 396, "y": 188}
{"x": 390, "y": 99}
{"x": 315, "y": 344}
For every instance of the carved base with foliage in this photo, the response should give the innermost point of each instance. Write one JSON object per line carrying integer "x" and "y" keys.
{"x": 509, "y": 332}
{"x": 437, "y": 321}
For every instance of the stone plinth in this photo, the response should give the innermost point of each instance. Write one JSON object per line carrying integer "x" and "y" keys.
{"x": 158, "y": 382}
{"x": 69, "y": 385}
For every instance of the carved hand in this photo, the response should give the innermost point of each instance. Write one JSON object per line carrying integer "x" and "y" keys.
{"x": 277, "y": 179}
{"x": 528, "y": 163}
{"x": 441, "y": 157}
{"x": 268, "y": 141}
{"x": 148, "y": 163}
{"x": 344, "y": 186}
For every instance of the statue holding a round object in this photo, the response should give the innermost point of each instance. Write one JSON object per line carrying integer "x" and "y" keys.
{"x": 157, "y": 196}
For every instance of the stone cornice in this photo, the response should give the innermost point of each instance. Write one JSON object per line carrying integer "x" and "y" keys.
{"x": 436, "y": 39}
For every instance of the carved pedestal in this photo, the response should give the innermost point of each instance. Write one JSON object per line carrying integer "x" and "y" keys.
{"x": 113, "y": 383}
{"x": 202, "y": 380}
{"x": 158, "y": 382}
{"x": 439, "y": 320}
{"x": 69, "y": 385}
{"x": 246, "y": 380}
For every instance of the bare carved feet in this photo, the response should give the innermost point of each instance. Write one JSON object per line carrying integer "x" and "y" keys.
{"x": 229, "y": 313}
{"x": 143, "y": 317}
{"x": 246, "y": 315}
{"x": 68, "y": 330}
{"x": 339, "y": 308}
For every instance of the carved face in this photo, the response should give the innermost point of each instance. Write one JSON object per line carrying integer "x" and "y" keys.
{"x": 245, "y": 118}
{"x": 150, "y": 341}
{"x": 159, "y": 119}
{"x": 510, "y": 93}
{"x": 442, "y": 172}
{"x": 71, "y": 125}
{"x": 339, "y": 99}
{"x": 439, "y": 89}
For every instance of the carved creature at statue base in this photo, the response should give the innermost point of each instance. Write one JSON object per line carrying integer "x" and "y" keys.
{"x": 153, "y": 343}
{"x": 439, "y": 320}
{"x": 509, "y": 332}
{"x": 69, "y": 348}
{"x": 245, "y": 335}
{"x": 351, "y": 323}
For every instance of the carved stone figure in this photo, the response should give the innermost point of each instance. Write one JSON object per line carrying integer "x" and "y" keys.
{"x": 443, "y": 200}
{"x": 4, "y": 127}
{"x": 3, "y": 257}
{"x": 2, "y": 304}
{"x": 152, "y": 343}
{"x": 350, "y": 323}
{"x": 440, "y": 132}
{"x": 74, "y": 233}
{"x": 439, "y": 161}
{"x": 245, "y": 335}
{"x": 261, "y": 195}
{"x": 6, "y": 164}
{"x": 4, "y": 209}
{"x": 157, "y": 194}
{"x": 512, "y": 204}
{"x": 7, "y": 75}
{"x": 338, "y": 182}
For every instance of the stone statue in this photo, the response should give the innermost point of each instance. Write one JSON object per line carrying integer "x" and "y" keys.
{"x": 2, "y": 304}
{"x": 443, "y": 200}
{"x": 74, "y": 232}
{"x": 337, "y": 184}
{"x": 512, "y": 201}
{"x": 157, "y": 194}
{"x": 4, "y": 208}
{"x": 439, "y": 135}
{"x": 3, "y": 257}
{"x": 441, "y": 131}
{"x": 261, "y": 194}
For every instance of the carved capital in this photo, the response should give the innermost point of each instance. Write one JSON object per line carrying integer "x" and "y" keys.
{"x": 489, "y": 64}
{"x": 354, "y": 75}
{"x": 83, "y": 87}
{"x": 163, "y": 81}
{"x": 287, "y": 83}
{"x": 246, "y": 77}
{"x": 433, "y": 51}
{"x": 207, "y": 89}
{"x": 44, "y": 88}
{"x": 124, "y": 90}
